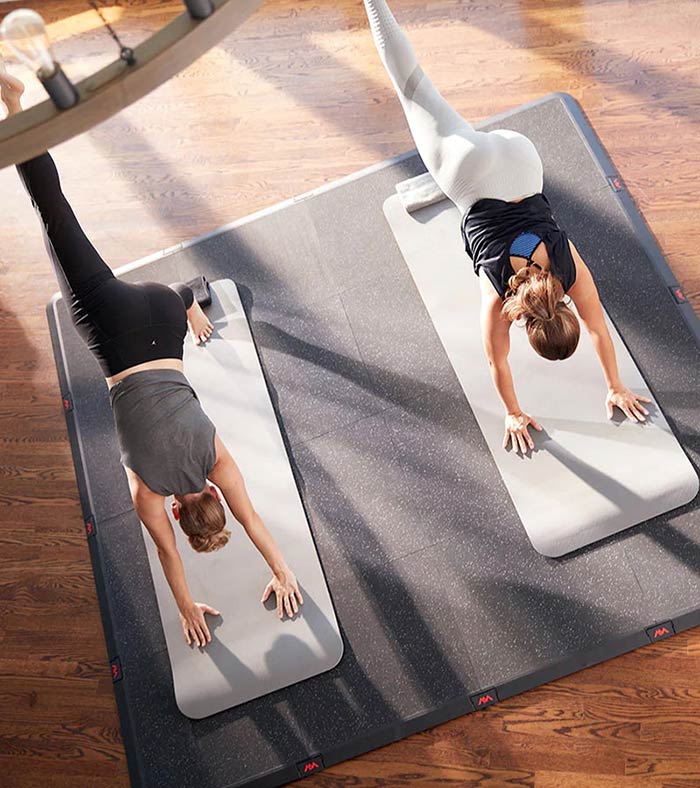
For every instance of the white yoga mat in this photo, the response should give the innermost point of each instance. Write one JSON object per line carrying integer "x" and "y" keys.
{"x": 252, "y": 652}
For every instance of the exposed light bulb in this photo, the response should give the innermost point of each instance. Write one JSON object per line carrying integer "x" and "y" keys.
{"x": 25, "y": 33}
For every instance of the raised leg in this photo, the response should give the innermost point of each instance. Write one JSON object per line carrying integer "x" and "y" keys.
{"x": 77, "y": 263}
{"x": 456, "y": 155}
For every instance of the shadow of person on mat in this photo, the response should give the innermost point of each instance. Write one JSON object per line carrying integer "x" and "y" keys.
{"x": 288, "y": 648}
{"x": 294, "y": 720}
{"x": 610, "y": 488}
{"x": 602, "y": 428}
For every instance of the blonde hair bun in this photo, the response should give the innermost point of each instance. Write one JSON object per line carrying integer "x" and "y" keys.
{"x": 552, "y": 328}
{"x": 203, "y": 519}
{"x": 210, "y": 542}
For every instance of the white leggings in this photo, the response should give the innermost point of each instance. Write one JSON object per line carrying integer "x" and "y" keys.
{"x": 466, "y": 164}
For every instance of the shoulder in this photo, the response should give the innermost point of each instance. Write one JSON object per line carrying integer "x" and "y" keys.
{"x": 489, "y": 295}
{"x": 141, "y": 493}
{"x": 491, "y": 274}
{"x": 223, "y": 456}
{"x": 583, "y": 286}
{"x": 579, "y": 266}
{"x": 492, "y": 318}
{"x": 578, "y": 260}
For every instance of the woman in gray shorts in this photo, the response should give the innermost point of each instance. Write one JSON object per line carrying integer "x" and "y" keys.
{"x": 168, "y": 444}
{"x": 525, "y": 262}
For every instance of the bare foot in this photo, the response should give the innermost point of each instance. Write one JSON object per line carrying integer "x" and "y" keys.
{"x": 200, "y": 325}
{"x": 11, "y": 90}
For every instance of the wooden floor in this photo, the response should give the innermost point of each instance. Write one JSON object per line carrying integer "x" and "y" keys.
{"x": 294, "y": 99}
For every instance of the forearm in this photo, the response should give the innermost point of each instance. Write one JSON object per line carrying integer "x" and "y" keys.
{"x": 503, "y": 381}
{"x": 605, "y": 350}
{"x": 229, "y": 479}
{"x": 175, "y": 575}
{"x": 260, "y": 536}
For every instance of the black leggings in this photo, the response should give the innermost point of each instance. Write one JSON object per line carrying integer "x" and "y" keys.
{"x": 123, "y": 324}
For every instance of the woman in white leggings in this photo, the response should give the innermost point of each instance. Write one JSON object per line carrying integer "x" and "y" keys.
{"x": 525, "y": 262}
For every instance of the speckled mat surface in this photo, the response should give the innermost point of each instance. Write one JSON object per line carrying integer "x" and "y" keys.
{"x": 441, "y": 600}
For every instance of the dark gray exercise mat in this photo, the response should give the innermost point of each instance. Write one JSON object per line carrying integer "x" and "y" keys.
{"x": 440, "y": 598}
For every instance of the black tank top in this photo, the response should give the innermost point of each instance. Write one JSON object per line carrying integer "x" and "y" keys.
{"x": 490, "y": 227}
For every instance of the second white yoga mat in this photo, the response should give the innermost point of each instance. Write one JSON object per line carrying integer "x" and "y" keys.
{"x": 588, "y": 477}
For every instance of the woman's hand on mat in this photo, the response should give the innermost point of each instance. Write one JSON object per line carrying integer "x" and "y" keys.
{"x": 200, "y": 325}
{"x": 194, "y": 624}
{"x": 516, "y": 432}
{"x": 628, "y": 402}
{"x": 287, "y": 593}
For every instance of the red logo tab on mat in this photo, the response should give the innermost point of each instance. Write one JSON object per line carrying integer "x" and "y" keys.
{"x": 310, "y": 765}
{"x": 678, "y": 294}
{"x": 661, "y": 631}
{"x": 483, "y": 699}
{"x": 116, "y": 669}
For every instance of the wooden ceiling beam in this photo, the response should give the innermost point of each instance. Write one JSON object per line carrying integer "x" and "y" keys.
{"x": 118, "y": 85}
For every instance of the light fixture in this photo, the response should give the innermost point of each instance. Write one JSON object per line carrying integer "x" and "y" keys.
{"x": 199, "y": 9}
{"x": 24, "y": 32}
